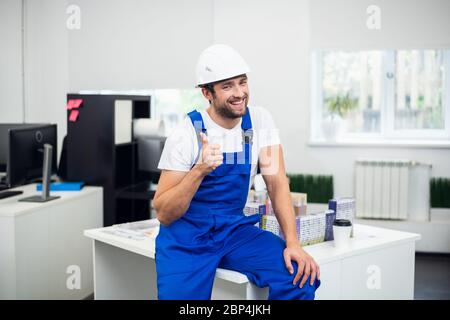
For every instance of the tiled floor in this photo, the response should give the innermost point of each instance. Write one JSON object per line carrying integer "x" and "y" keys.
{"x": 432, "y": 277}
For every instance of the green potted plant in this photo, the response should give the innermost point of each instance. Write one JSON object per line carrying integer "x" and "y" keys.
{"x": 337, "y": 107}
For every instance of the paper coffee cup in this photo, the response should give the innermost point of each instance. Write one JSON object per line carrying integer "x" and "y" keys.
{"x": 342, "y": 229}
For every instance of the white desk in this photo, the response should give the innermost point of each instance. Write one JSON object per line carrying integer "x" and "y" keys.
{"x": 39, "y": 241}
{"x": 125, "y": 268}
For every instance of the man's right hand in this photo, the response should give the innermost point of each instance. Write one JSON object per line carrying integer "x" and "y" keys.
{"x": 177, "y": 188}
{"x": 210, "y": 157}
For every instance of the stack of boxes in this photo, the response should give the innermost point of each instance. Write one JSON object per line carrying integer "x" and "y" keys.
{"x": 311, "y": 228}
{"x": 252, "y": 208}
{"x": 344, "y": 208}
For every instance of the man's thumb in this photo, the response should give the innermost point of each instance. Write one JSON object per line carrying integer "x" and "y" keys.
{"x": 204, "y": 139}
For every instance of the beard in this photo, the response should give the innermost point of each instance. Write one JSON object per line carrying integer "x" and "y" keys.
{"x": 224, "y": 110}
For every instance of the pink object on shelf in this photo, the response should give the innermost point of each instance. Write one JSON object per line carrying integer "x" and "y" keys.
{"x": 74, "y": 104}
{"x": 73, "y": 115}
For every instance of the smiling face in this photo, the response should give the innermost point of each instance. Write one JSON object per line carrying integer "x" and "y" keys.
{"x": 229, "y": 98}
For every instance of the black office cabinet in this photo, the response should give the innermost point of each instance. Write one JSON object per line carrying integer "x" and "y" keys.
{"x": 101, "y": 152}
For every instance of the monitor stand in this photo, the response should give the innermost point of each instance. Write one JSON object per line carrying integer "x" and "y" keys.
{"x": 46, "y": 172}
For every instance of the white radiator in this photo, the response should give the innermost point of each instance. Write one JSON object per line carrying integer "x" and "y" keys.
{"x": 392, "y": 189}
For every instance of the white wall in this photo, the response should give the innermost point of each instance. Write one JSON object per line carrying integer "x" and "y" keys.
{"x": 138, "y": 44}
{"x": 404, "y": 24}
{"x": 11, "y": 102}
{"x": 46, "y": 58}
{"x": 275, "y": 37}
{"x": 44, "y": 53}
{"x": 122, "y": 45}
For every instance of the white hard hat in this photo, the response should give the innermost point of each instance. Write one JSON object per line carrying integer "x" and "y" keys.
{"x": 219, "y": 62}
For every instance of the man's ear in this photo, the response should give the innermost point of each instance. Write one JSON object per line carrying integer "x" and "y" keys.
{"x": 207, "y": 94}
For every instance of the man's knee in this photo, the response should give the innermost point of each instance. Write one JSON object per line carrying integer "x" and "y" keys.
{"x": 289, "y": 291}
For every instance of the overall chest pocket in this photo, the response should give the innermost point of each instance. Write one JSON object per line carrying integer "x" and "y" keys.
{"x": 233, "y": 164}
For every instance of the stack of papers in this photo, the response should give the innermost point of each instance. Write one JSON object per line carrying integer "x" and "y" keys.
{"x": 139, "y": 230}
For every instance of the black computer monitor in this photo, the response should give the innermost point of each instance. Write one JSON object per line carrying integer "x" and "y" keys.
{"x": 4, "y": 140}
{"x": 149, "y": 153}
{"x": 25, "y": 156}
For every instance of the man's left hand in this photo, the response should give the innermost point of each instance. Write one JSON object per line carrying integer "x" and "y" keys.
{"x": 306, "y": 264}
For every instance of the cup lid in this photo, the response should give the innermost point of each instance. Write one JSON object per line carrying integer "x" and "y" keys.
{"x": 342, "y": 223}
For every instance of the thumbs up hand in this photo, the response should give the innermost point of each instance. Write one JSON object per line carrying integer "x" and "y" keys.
{"x": 210, "y": 156}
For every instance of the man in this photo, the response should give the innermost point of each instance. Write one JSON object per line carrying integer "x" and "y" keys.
{"x": 203, "y": 189}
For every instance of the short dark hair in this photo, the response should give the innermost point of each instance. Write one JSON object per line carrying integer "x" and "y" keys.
{"x": 209, "y": 87}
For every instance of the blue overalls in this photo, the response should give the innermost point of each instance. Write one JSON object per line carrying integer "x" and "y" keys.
{"x": 214, "y": 232}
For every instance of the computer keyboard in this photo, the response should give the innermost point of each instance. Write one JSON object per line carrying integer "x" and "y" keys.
{"x": 7, "y": 194}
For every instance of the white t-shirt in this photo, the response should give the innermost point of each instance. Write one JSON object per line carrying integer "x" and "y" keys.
{"x": 181, "y": 147}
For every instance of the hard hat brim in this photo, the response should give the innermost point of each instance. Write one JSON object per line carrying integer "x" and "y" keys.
{"x": 218, "y": 81}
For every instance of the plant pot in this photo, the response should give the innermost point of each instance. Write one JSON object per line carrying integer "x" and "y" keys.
{"x": 332, "y": 128}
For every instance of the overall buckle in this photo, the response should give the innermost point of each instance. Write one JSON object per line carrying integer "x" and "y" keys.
{"x": 247, "y": 136}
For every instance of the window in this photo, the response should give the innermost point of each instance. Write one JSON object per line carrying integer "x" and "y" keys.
{"x": 172, "y": 105}
{"x": 419, "y": 89}
{"x": 381, "y": 95}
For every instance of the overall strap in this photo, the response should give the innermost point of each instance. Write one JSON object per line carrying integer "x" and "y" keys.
{"x": 247, "y": 130}
{"x": 199, "y": 126}
{"x": 246, "y": 121}
{"x": 247, "y": 138}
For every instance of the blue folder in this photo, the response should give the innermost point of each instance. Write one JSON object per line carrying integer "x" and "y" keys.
{"x": 63, "y": 186}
